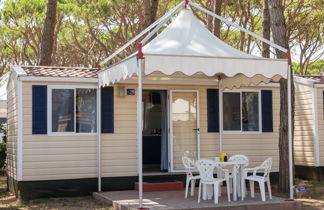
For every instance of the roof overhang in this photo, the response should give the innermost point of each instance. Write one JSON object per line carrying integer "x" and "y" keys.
{"x": 248, "y": 69}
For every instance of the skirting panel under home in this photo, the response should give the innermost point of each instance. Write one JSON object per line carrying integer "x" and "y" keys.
{"x": 309, "y": 172}
{"x": 28, "y": 190}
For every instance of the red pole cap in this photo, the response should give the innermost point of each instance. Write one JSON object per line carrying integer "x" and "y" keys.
{"x": 187, "y": 2}
{"x": 99, "y": 67}
{"x": 140, "y": 52}
{"x": 289, "y": 57}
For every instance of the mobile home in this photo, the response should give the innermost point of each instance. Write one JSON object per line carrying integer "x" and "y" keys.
{"x": 53, "y": 128}
{"x": 309, "y": 127}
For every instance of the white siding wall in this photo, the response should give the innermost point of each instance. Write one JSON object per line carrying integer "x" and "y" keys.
{"x": 258, "y": 147}
{"x": 48, "y": 157}
{"x": 119, "y": 160}
{"x": 303, "y": 133}
{"x": 320, "y": 118}
{"x": 55, "y": 157}
{"x": 12, "y": 124}
{"x": 119, "y": 148}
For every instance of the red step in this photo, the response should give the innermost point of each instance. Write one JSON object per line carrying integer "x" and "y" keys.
{"x": 162, "y": 186}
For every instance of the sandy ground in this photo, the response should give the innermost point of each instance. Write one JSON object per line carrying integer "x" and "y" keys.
{"x": 312, "y": 200}
{"x": 8, "y": 201}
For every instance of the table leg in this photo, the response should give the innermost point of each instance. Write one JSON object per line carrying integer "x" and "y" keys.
{"x": 239, "y": 181}
{"x": 234, "y": 184}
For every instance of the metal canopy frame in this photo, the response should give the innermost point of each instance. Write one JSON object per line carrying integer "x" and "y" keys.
{"x": 153, "y": 30}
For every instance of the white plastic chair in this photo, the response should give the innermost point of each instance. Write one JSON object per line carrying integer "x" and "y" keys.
{"x": 206, "y": 169}
{"x": 266, "y": 167}
{"x": 243, "y": 163}
{"x": 190, "y": 178}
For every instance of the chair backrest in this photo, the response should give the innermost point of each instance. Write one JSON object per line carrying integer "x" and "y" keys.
{"x": 190, "y": 154}
{"x": 188, "y": 164}
{"x": 206, "y": 169}
{"x": 240, "y": 158}
{"x": 267, "y": 164}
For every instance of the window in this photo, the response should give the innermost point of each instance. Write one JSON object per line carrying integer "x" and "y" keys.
{"x": 241, "y": 111}
{"x": 72, "y": 110}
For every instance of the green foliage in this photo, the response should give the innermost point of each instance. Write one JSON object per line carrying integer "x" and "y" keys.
{"x": 316, "y": 68}
{"x": 3, "y": 154}
{"x": 89, "y": 31}
{"x": 3, "y": 146}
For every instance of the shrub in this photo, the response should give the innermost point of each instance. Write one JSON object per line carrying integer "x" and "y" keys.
{"x": 3, "y": 146}
{"x": 3, "y": 154}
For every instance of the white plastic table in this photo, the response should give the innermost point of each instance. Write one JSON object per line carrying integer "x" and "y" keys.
{"x": 208, "y": 192}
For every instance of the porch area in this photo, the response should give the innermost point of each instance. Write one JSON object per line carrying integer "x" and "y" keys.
{"x": 174, "y": 200}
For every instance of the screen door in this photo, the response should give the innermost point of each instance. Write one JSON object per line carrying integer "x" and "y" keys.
{"x": 184, "y": 127}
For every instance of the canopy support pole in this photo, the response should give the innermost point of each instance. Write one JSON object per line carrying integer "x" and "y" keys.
{"x": 220, "y": 111}
{"x": 140, "y": 35}
{"x": 99, "y": 135}
{"x": 291, "y": 176}
{"x": 139, "y": 126}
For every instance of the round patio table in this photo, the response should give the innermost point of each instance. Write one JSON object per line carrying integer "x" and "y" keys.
{"x": 208, "y": 191}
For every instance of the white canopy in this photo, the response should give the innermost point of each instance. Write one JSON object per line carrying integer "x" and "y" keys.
{"x": 186, "y": 45}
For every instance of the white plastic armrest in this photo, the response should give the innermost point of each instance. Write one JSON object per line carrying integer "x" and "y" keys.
{"x": 256, "y": 169}
{"x": 248, "y": 169}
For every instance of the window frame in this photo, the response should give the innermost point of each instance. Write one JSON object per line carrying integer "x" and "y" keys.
{"x": 260, "y": 111}
{"x": 49, "y": 109}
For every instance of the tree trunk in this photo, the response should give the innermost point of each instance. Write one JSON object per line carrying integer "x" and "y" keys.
{"x": 278, "y": 28}
{"x": 154, "y": 8}
{"x": 217, "y": 22}
{"x": 150, "y": 10}
{"x": 48, "y": 34}
{"x": 210, "y": 5}
{"x": 266, "y": 29}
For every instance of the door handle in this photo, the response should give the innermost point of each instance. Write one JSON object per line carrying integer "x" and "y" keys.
{"x": 196, "y": 129}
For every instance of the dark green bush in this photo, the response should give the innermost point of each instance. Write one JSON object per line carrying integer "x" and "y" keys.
{"x": 3, "y": 146}
{"x": 3, "y": 154}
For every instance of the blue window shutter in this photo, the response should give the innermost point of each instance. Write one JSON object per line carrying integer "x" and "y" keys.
{"x": 267, "y": 119}
{"x": 39, "y": 109}
{"x": 107, "y": 110}
{"x": 213, "y": 110}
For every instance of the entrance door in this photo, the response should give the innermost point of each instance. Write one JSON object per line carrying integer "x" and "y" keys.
{"x": 184, "y": 126}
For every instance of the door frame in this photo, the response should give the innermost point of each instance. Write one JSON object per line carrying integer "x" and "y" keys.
{"x": 171, "y": 168}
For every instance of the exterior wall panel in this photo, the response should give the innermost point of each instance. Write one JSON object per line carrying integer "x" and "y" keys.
{"x": 71, "y": 157}
{"x": 12, "y": 125}
{"x": 320, "y": 118}
{"x": 303, "y": 131}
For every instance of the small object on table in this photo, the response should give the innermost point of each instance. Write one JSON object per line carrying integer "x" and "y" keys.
{"x": 222, "y": 156}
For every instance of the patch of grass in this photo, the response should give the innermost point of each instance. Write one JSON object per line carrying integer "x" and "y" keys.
{"x": 74, "y": 203}
{"x": 9, "y": 201}
{"x": 3, "y": 184}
